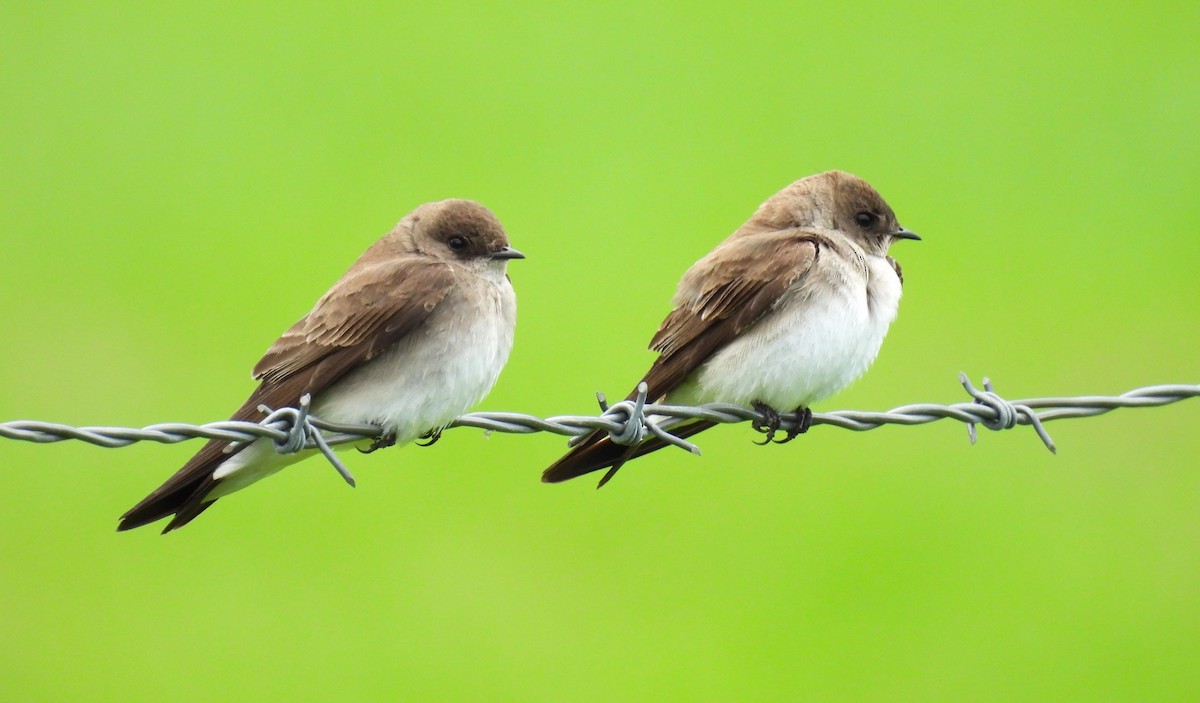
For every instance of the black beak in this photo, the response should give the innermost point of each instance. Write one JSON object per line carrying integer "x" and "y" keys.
{"x": 507, "y": 253}
{"x": 905, "y": 233}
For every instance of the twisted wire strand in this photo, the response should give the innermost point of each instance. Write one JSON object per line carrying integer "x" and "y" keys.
{"x": 627, "y": 422}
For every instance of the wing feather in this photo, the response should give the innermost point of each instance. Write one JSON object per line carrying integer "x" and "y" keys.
{"x": 719, "y": 298}
{"x": 365, "y": 312}
{"x": 722, "y": 296}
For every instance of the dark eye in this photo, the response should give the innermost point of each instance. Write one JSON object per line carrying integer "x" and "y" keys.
{"x": 865, "y": 219}
{"x": 456, "y": 243}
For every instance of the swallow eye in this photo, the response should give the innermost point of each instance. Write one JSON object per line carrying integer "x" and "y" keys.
{"x": 456, "y": 243}
{"x": 865, "y": 219}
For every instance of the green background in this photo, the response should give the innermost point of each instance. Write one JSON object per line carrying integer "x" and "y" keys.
{"x": 179, "y": 185}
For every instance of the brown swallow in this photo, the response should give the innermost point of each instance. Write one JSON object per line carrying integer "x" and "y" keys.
{"x": 788, "y": 310}
{"x": 414, "y": 334}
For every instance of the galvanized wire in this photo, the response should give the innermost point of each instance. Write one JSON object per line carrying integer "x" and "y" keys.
{"x": 627, "y": 422}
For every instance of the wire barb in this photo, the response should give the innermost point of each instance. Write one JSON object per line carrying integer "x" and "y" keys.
{"x": 302, "y": 434}
{"x": 628, "y": 422}
{"x": 630, "y": 417}
{"x": 1008, "y": 415}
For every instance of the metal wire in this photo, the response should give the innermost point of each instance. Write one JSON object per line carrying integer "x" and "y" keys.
{"x": 627, "y": 422}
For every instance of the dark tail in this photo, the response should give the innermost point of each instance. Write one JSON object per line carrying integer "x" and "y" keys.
{"x": 183, "y": 495}
{"x": 597, "y": 452}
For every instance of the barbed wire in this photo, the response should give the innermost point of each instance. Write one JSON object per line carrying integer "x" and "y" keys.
{"x": 628, "y": 422}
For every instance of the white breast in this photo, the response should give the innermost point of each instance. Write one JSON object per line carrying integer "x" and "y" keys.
{"x": 816, "y": 343}
{"x": 436, "y": 373}
{"x": 432, "y": 376}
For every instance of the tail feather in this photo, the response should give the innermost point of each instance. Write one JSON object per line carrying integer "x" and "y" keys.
{"x": 191, "y": 507}
{"x": 598, "y": 452}
{"x": 186, "y": 494}
{"x": 183, "y": 495}
{"x": 184, "y": 506}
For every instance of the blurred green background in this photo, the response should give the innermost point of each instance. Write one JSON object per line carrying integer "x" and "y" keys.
{"x": 182, "y": 181}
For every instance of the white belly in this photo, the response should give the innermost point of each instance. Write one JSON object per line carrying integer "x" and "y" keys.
{"x": 804, "y": 351}
{"x": 426, "y": 380}
{"x": 429, "y": 378}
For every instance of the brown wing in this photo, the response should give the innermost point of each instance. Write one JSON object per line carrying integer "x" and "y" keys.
{"x": 721, "y": 297}
{"x": 718, "y": 299}
{"x": 365, "y": 312}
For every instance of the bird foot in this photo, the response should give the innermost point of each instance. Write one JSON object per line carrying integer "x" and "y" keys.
{"x": 380, "y": 442}
{"x": 803, "y": 422}
{"x": 772, "y": 422}
{"x": 432, "y": 436}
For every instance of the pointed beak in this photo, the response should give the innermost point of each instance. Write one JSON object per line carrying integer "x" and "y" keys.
{"x": 905, "y": 233}
{"x": 507, "y": 253}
